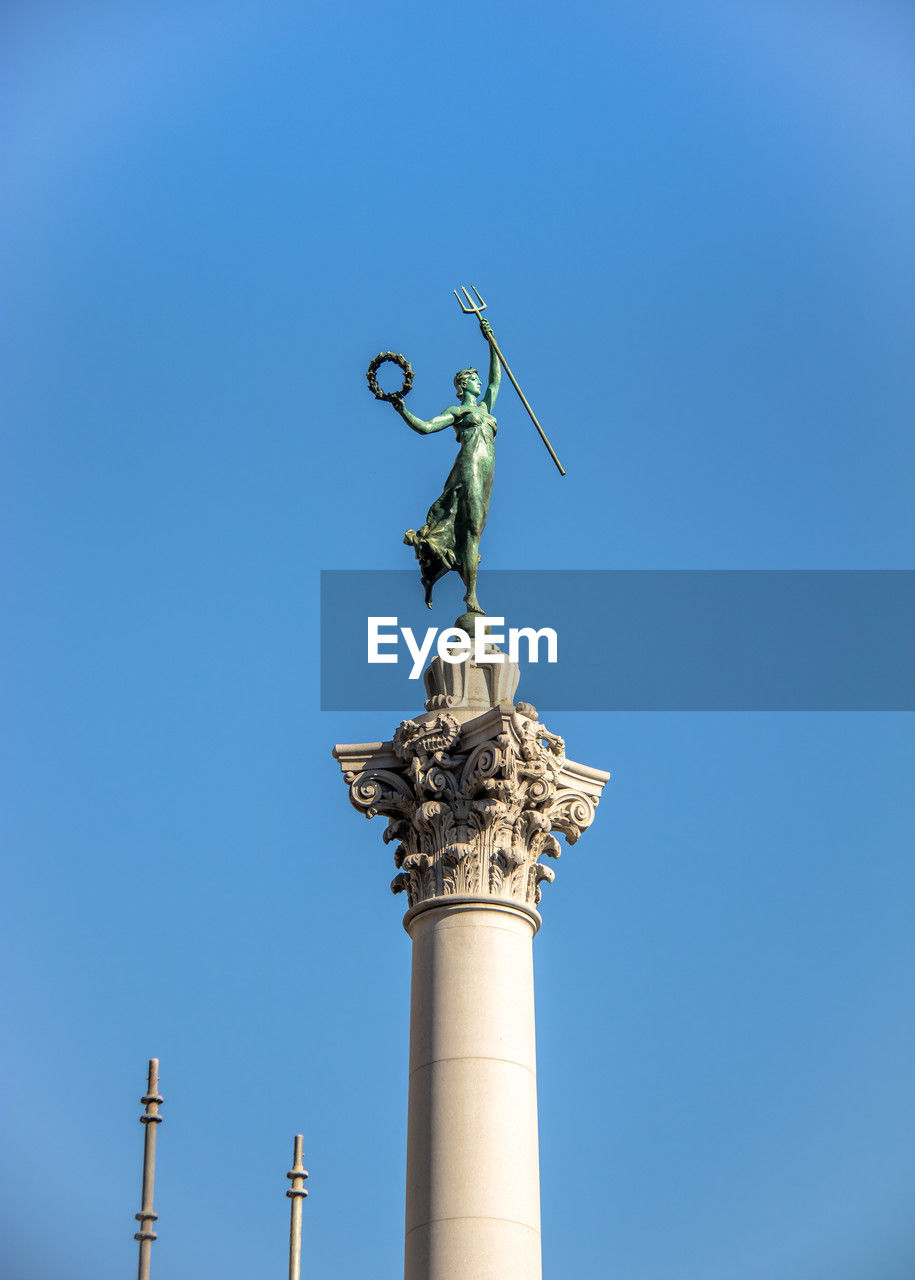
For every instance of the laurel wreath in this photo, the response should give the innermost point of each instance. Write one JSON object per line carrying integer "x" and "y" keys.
{"x": 389, "y": 357}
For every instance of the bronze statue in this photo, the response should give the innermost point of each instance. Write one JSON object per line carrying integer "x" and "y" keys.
{"x": 450, "y": 538}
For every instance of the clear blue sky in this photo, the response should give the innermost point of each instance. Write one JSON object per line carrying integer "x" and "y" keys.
{"x": 693, "y": 224}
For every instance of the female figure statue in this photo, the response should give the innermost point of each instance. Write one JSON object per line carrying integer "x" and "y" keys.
{"x": 450, "y": 538}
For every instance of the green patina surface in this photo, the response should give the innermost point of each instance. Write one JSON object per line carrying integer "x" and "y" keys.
{"x": 450, "y": 538}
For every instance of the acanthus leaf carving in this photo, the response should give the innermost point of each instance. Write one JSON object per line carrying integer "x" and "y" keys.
{"x": 472, "y": 807}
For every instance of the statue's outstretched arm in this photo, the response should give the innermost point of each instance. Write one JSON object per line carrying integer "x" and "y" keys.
{"x": 420, "y": 425}
{"x": 495, "y": 368}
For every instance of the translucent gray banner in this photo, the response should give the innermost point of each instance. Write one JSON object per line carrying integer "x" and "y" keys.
{"x": 641, "y": 640}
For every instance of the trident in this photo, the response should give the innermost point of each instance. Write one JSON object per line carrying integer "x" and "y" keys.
{"x": 476, "y": 309}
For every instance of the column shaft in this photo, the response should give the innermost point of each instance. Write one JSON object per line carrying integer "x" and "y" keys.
{"x": 473, "y": 1194}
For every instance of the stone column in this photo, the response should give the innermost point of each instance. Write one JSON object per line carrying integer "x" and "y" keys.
{"x": 473, "y": 790}
{"x": 473, "y": 1189}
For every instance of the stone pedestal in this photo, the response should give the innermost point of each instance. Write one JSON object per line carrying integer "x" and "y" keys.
{"x": 473, "y": 790}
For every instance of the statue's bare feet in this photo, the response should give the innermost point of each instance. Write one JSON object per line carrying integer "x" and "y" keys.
{"x": 472, "y": 603}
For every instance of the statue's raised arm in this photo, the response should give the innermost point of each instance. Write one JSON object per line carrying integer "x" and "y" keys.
{"x": 420, "y": 425}
{"x": 495, "y": 366}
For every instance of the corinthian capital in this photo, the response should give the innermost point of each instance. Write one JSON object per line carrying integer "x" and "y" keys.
{"x": 472, "y": 804}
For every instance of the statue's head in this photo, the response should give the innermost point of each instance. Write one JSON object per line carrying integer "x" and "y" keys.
{"x": 467, "y": 380}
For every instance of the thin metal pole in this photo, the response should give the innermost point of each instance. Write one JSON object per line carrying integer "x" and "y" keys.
{"x": 146, "y": 1217}
{"x": 297, "y": 1175}
{"x": 514, "y": 381}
